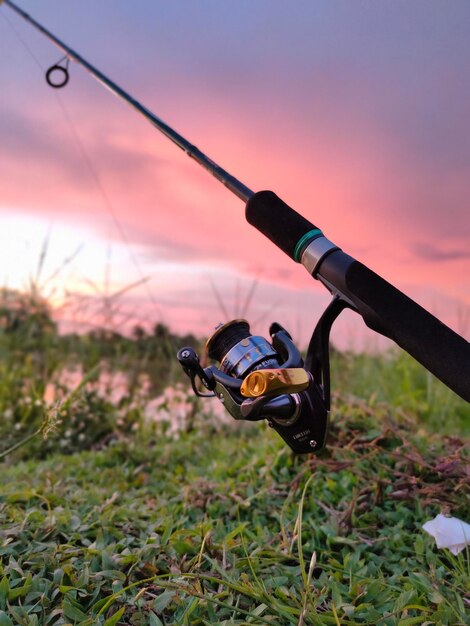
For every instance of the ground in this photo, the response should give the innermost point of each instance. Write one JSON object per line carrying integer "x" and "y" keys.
{"x": 225, "y": 526}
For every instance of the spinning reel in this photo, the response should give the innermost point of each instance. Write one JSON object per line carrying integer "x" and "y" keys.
{"x": 257, "y": 379}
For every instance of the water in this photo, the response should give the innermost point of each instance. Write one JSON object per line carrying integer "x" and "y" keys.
{"x": 177, "y": 405}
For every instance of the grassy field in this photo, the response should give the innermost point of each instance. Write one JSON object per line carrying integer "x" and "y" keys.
{"x": 219, "y": 523}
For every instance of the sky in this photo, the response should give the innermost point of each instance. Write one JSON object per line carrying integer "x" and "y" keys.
{"x": 355, "y": 113}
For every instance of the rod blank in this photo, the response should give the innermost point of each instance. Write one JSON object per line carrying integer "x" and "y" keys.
{"x": 232, "y": 183}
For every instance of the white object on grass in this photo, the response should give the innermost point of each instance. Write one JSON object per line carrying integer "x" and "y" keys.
{"x": 449, "y": 532}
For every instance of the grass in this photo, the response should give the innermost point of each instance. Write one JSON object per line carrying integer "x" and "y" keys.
{"x": 230, "y": 528}
{"x": 398, "y": 380}
{"x": 220, "y": 524}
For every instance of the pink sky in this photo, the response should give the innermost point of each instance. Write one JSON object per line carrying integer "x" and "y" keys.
{"x": 358, "y": 119}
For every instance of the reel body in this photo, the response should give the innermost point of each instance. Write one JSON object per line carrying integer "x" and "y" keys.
{"x": 257, "y": 379}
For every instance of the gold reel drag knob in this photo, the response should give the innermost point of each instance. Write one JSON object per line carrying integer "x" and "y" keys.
{"x": 268, "y": 381}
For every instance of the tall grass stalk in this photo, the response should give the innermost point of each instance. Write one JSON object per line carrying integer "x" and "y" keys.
{"x": 51, "y": 420}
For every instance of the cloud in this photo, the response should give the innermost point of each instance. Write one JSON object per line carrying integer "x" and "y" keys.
{"x": 65, "y": 151}
{"x": 431, "y": 252}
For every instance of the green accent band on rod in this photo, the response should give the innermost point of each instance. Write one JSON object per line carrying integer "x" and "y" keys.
{"x": 311, "y": 234}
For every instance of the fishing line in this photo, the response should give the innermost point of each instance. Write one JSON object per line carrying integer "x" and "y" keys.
{"x": 218, "y": 298}
{"x": 107, "y": 202}
{"x": 92, "y": 170}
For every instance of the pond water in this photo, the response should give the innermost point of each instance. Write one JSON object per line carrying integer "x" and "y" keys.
{"x": 176, "y": 404}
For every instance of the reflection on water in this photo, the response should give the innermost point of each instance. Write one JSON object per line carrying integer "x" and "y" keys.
{"x": 112, "y": 385}
{"x": 176, "y": 406}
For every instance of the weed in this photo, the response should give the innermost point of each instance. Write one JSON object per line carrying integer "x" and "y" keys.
{"x": 230, "y": 528}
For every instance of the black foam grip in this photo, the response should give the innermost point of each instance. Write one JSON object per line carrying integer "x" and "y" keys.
{"x": 275, "y": 219}
{"x": 388, "y": 311}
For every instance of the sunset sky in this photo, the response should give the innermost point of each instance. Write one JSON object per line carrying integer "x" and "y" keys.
{"x": 355, "y": 113}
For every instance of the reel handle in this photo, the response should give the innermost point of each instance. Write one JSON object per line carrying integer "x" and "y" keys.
{"x": 265, "y": 382}
{"x": 384, "y": 308}
{"x": 189, "y": 361}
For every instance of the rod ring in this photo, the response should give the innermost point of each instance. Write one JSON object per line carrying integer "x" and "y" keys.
{"x": 62, "y": 72}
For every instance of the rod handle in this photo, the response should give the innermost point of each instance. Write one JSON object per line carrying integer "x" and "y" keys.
{"x": 391, "y": 313}
{"x": 279, "y": 222}
{"x": 384, "y": 308}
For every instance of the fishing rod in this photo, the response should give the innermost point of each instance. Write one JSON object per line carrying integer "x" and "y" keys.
{"x": 259, "y": 379}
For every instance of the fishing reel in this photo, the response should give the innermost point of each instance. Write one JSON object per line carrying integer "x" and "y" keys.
{"x": 258, "y": 379}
